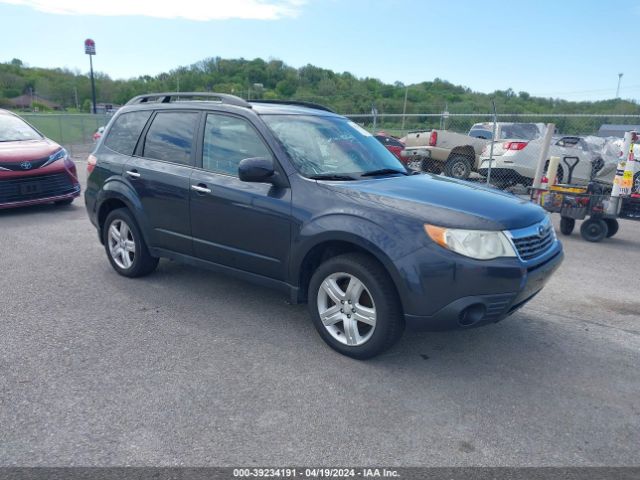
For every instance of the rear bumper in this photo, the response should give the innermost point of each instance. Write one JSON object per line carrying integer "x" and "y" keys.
{"x": 409, "y": 154}
{"x": 518, "y": 284}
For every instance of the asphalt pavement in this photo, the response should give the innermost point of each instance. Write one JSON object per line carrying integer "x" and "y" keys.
{"x": 188, "y": 367}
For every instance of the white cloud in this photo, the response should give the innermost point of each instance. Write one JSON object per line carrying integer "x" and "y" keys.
{"x": 201, "y": 10}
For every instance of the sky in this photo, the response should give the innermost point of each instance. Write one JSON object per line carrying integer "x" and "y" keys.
{"x": 568, "y": 49}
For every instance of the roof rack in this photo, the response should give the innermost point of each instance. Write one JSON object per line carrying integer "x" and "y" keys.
{"x": 315, "y": 106}
{"x": 168, "y": 97}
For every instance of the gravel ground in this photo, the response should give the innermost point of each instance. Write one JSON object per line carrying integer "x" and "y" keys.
{"x": 187, "y": 367}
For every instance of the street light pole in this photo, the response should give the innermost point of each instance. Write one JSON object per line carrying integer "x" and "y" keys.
{"x": 404, "y": 108}
{"x": 93, "y": 84}
{"x": 618, "y": 89}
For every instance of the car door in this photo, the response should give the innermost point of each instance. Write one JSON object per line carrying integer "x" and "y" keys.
{"x": 160, "y": 172}
{"x": 234, "y": 223}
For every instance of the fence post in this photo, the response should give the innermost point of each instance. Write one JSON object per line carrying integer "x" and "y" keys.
{"x": 493, "y": 140}
{"x": 60, "y": 130}
{"x": 544, "y": 152}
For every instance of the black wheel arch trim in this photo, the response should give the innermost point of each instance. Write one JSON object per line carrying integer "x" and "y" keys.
{"x": 116, "y": 189}
{"x": 372, "y": 243}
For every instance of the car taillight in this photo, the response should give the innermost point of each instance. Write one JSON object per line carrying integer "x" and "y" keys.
{"x": 91, "y": 163}
{"x": 515, "y": 145}
{"x": 433, "y": 138}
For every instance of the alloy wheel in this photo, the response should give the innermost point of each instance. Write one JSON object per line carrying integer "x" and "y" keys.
{"x": 346, "y": 309}
{"x": 122, "y": 247}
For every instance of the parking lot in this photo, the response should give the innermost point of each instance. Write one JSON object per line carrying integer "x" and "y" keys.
{"x": 187, "y": 367}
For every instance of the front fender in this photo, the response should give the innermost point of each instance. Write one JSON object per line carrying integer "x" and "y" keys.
{"x": 385, "y": 246}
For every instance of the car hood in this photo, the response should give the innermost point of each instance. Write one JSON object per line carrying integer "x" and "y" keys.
{"x": 444, "y": 201}
{"x": 28, "y": 150}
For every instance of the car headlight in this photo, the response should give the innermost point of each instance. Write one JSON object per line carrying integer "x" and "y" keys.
{"x": 62, "y": 153}
{"x": 478, "y": 244}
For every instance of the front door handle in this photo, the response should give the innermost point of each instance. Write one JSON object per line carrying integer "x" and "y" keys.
{"x": 133, "y": 174}
{"x": 201, "y": 188}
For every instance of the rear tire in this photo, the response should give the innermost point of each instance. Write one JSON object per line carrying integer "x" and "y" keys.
{"x": 567, "y": 225}
{"x": 612, "y": 226}
{"x": 126, "y": 249}
{"x": 415, "y": 164}
{"x": 593, "y": 229}
{"x": 375, "y": 320}
{"x": 458, "y": 166}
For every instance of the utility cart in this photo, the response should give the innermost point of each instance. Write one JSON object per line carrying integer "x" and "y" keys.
{"x": 593, "y": 203}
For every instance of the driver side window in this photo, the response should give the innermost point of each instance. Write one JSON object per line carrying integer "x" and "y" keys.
{"x": 227, "y": 141}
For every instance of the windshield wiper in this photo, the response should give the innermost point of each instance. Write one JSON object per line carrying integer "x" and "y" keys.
{"x": 382, "y": 171}
{"x": 331, "y": 176}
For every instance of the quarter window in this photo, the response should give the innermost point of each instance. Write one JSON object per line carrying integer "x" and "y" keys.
{"x": 124, "y": 133}
{"x": 170, "y": 137}
{"x": 227, "y": 141}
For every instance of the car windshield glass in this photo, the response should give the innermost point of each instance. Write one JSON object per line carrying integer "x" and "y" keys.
{"x": 519, "y": 131}
{"x": 14, "y": 129}
{"x": 323, "y": 145}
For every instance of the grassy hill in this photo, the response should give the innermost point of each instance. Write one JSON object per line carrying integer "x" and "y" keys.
{"x": 342, "y": 91}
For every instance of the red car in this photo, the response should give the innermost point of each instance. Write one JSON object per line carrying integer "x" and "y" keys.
{"x": 33, "y": 169}
{"x": 394, "y": 145}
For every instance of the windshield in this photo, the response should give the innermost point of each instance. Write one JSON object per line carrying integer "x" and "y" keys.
{"x": 324, "y": 146}
{"x": 13, "y": 129}
{"x": 519, "y": 131}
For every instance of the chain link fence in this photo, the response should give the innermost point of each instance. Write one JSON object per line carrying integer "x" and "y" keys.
{"x": 74, "y": 131}
{"x": 461, "y": 146}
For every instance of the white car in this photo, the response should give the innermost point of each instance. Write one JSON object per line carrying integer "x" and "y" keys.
{"x": 582, "y": 158}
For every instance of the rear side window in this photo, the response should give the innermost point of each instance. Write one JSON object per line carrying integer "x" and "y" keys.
{"x": 170, "y": 137}
{"x": 126, "y": 130}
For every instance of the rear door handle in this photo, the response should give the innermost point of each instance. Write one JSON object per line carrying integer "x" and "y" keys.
{"x": 133, "y": 173}
{"x": 201, "y": 188}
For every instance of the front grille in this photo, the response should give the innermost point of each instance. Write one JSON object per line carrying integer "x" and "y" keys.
{"x": 18, "y": 166}
{"x": 34, "y": 188}
{"x": 532, "y": 243}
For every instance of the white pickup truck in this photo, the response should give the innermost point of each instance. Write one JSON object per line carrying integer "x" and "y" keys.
{"x": 456, "y": 154}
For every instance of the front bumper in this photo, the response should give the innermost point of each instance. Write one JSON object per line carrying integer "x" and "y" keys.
{"x": 38, "y": 187}
{"x": 470, "y": 293}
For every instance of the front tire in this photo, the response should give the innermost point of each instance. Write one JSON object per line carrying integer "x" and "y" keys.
{"x": 354, "y": 306}
{"x": 126, "y": 249}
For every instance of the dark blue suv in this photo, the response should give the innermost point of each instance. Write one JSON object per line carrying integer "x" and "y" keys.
{"x": 295, "y": 197}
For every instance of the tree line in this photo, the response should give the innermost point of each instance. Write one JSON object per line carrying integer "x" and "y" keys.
{"x": 273, "y": 79}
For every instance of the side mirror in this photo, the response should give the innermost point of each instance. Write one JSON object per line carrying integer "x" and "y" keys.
{"x": 257, "y": 169}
